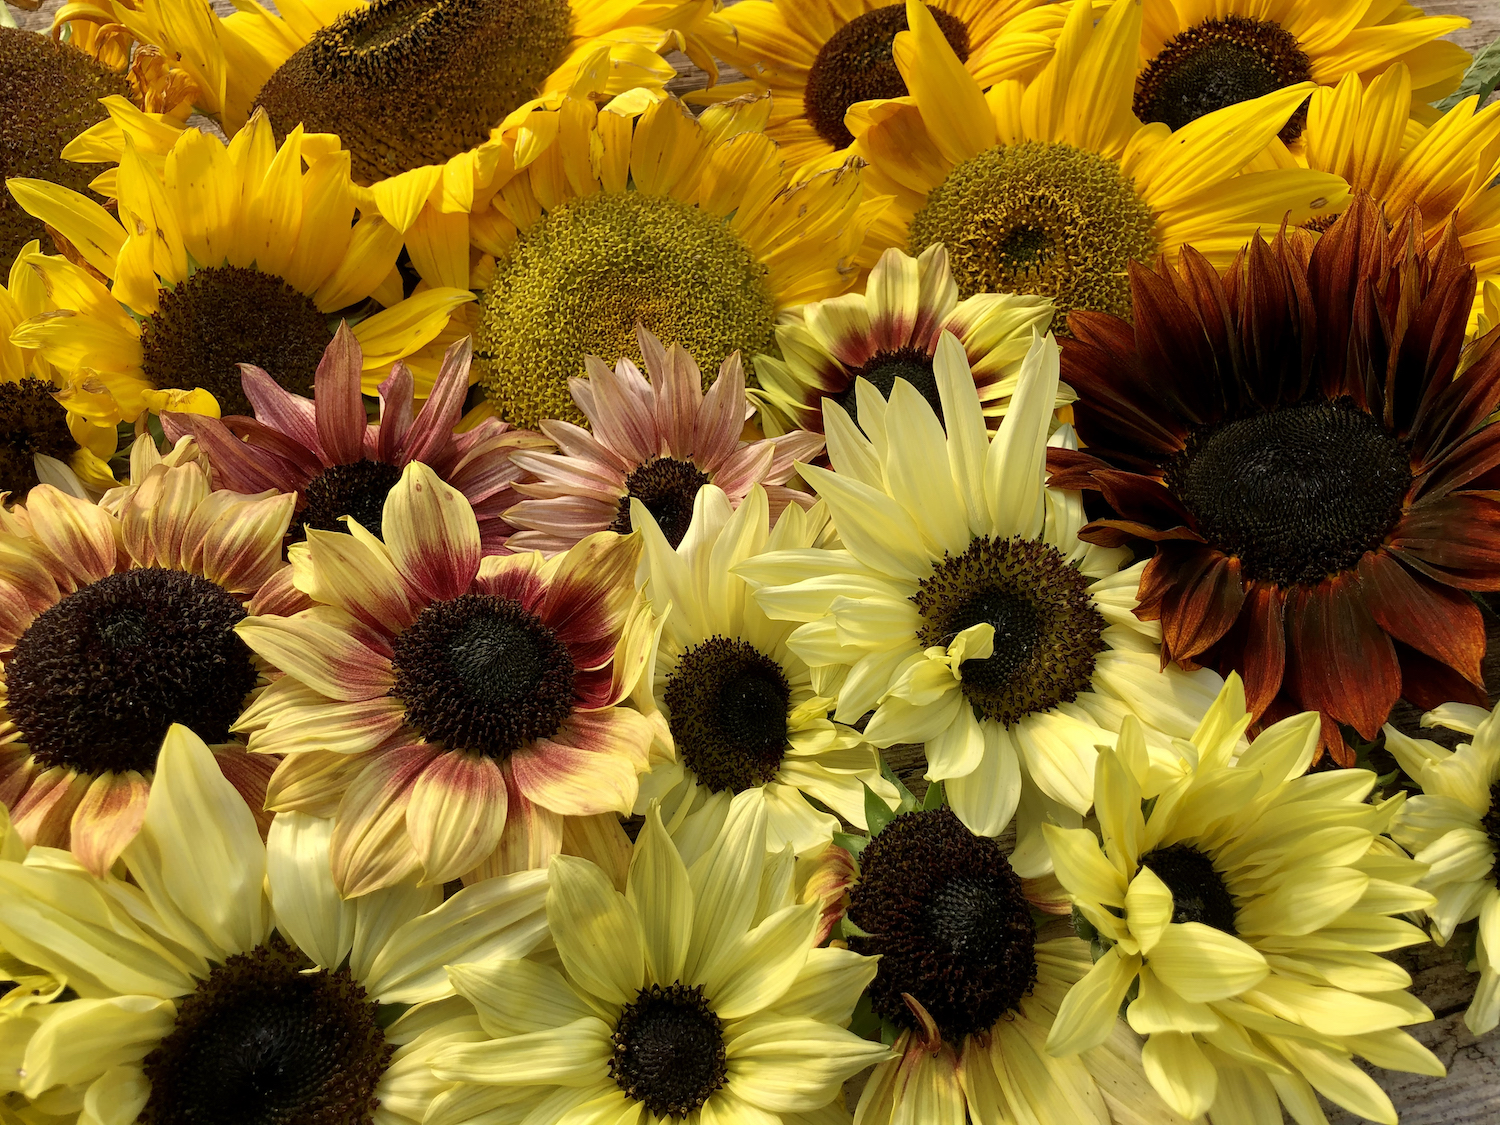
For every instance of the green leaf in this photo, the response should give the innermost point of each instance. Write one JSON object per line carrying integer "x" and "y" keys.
{"x": 934, "y": 798}
{"x": 849, "y": 929}
{"x": 1083, "y": 927}
{"x": 877, "y": 813}
{"x": 1481, "y": 78}
{"x": 865, "y": 1023}
{"x": 387, "y": 1014}
{"x": 850, "y": 842}
{"x": 908, "y": 801}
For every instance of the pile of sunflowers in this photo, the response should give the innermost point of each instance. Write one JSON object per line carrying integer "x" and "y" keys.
{"x": 489, "y": 526}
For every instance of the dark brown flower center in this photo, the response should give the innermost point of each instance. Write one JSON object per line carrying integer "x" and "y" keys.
{"x": 1490, "y": 825}
{"x": 1047, "y": 629}
{"x": 407, "y": 83}
{"x": 96, "y": 680}
{"x": 1297, "y": 493}
{"x": 482, "y": 674}
{"x": 668, "y": 488}
{"x": 31, "y": 422}
{"x": 358, "y": 491}
{"x": 264, "y": 1041}
{"x": 884, "y": 368}
{"x": 224, "y": 316}
{"x": 728, "y": 703}
{"x": 669, "y": 1050}
{"x": 947, "y": 916}
{"x": 1219, "y": 63}
{"x": 1199, "y": 893}
{"x": 856, "y": 64}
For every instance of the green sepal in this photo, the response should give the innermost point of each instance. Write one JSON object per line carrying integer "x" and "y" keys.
{"x": 851, "y": 842}
{"x": 908, "y": 800}
{"x": 387, "y": 1014}
{"x": 877, "y": 813}
{"x": 934, "y": 797}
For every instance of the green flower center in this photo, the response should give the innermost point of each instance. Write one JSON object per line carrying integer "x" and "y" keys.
{"x": 1220, "y": 63}
{"x": 728, "y": 703}
{"x": 579, "y": 280}
{"x": 669, "y": 1050}
{"x": 31, "y": 422}
{"x": 857, "y": 64}
{"x": 1043, "y": 218}
{"x": 408, "y": 83}
{"x": 668, "y": 488}
{"x": 1199, "y": 893}
{"x": 357, "y": 490}
{"x": 224, "y": 316}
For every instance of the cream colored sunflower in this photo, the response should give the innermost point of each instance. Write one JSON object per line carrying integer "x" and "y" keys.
{"x": 963, "y": 611}
{"x": 739, "y": 702}
{"x": 1242, "y": 914}
{"x": 1453, "y": 826}
{"x": 695, "y": 997}
{"x": 227, "y": 980}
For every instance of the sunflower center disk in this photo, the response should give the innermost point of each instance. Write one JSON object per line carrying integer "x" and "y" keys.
{"x": 884, "y": 368}
{"x": 1297, "y": 493}
{"x": 857, "y": 64}
{"x": 358, "y": 491}
{"x": 96, "y": 680}
{"x": 1047, "y": 629}
{"x": 1490, "y": 825}
{"x": 729, "y": 703}
{"x": 480, "y": 673}
{"x": 669, "y": 1050}
{"x": 1219, "y": 63}
{"x": 264, "y": 1042}
{"x": 579, "y": 280}
{"x": 668, "y": 488}
{"x": 1198, "y": 890}
{"x": 1040, "y": 217}
{"x": 407, "y": 83}
{"x": 224, "y": 316}
{"x": 947, "y": 915}
{"x": 31, "y": 422}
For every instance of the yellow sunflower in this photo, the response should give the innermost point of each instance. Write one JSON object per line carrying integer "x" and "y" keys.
{"x": 1052, "y": 186}
{"x": 637, "y": 213}
{"x": 417, "y": 90}
{"x": 232, "y": 254}
{"x": 819, "y": 57}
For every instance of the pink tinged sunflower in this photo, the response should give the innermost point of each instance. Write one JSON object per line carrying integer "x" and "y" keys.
{"x": 116, "y": 621}
{"x": 449, "y": 710}
{"x": 657, "y": 440}
{"x": 323, "y": 450}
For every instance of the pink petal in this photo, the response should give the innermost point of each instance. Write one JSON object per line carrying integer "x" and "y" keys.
{"x": 575, "y": 441}
{"x": 748, "y": 466}
{"x": 432, "y": 534}
{"x": 590, "y": 766}
{"x": 721, "y": 417}
{"x": 456, "y": 815}
{"x": 395, "y": 413}
{"x": 250, "y": 774}
{"x": 532, "y": 836}
{"x": 433, "y": 428}
{"x": 237, "y": 466}
{"x": 678, "y": 389}
{"x": 260, "y": 436}
{"x": 107, "y": 818}
{"x": 41, "y": 814}
{"x": 370, "y": 847}
{"x": 278, "y": 596}
{"x": 799, "y": 445}
{"x": 340, "y": 409}
{"x": 277, "y": 407}
{"x": 80, "y": 535}
{"x": 622, "y": 416}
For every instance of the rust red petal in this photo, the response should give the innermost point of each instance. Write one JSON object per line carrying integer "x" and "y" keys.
{"x": 1436, "y": 620}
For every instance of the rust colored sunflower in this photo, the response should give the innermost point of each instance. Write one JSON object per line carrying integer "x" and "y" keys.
{"x": 1306, "y": 445}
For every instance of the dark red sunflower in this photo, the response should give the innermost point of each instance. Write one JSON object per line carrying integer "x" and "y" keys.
{"x": 1307, "y": 445}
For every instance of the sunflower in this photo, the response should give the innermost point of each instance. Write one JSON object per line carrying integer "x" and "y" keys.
{"x": 226, "y": 980}
{"x": 118, "y": 623}
{"x": 58, "y": 428}
{"x": 1052, "y": 186}
{"x": 696, "y": 994}
{"x": 890, "y": 332}
{"x": 637, "y": 213}
{"x": 323, "y": 451}
{"x": 450, "y": 710}
{"x": 1197, "y": 56}
{"x": 1314, "y": 478}
{"x": 964, "y": 612}
{"x": 424, "y": 94}
{"x": 1453, "y": 826}
{"x": 740, "y": 704}
{"x": 1243, "y": 918}
{"x": 227, "y": 256}
{"x": 818, "y": 58}
{"x": 1447, "y": 170}
{"x": 28, "y": 984}
{"x": 657, "y": 442}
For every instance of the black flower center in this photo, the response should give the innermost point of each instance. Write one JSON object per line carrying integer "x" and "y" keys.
{"x": 1297, "y": 493}
{"x": 669, "y": 1050}
{"x": 358, "y": 491}
{"x": 884, "y": 368}
{"x": 263, "y": 1041}
{"x": 407, "y": 83}
{"x": 224, "y": 316}
{"x": 1047, "y": 629}
{"x": 668, "y": 488}
{"x": 947, "y": 915}
{"x": 857, "y": 64}
{"x": 96, "y": 680}
{"x": 1198, "y": 890}
{"x": 1040, "y": 217}
{"x": 728, "y": 703}
{"x": 49, "y": 93}
{"x": 31, "y": 422}
{"x": 1490, "y": 825}
{"x": 1219, "y": 63}
{"x": 480, "y": 673}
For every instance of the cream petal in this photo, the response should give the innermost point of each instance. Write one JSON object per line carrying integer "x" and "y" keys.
{"x": 598, "y": 935}
{"x": 83, "y": 1039}
{"x": 116, "y": 1097}
{"x": 456, "y": 815}
{"x": 753, "y": 971}
{"x": 1176, "y": 1066}
{"x": 724, "y": 880}
{"x": 986, "y": 799}
{"x": 517, "y": 997}
{"x": 431, "y": 533}
{"x": 661, "y": 896}
{"x": 370, "y": 847}
{"x": 574, "y": 1055}
{"x": 1203, "y": 964}
{"x": 325, "y": 648}
{"x": 794, "y": 1065}
{"x": 307, "y": 904}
